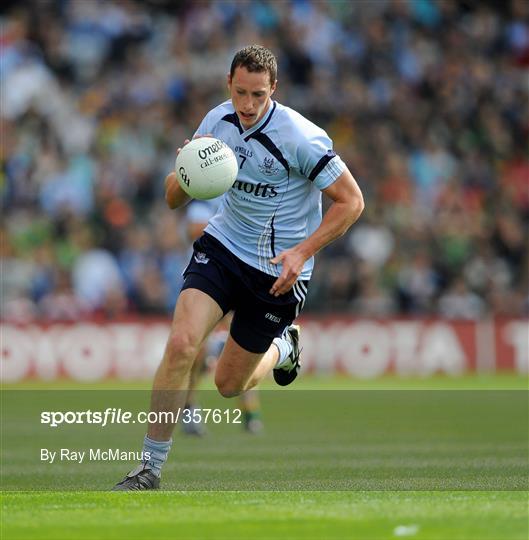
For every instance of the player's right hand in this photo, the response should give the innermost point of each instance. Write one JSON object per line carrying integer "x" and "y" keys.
{"x": 292, "y": 261}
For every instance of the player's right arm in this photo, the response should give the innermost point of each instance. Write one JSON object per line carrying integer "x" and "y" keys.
{"x": 175, "y": 196}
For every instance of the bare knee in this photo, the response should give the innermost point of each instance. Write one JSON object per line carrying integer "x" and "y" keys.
{"x": 227, "y": 387}
{"x": 181, "y": 351}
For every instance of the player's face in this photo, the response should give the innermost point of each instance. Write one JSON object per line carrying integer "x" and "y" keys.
{"x": 250, "y": 94}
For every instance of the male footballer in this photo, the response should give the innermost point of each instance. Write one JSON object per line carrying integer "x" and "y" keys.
{"x": 256, "y": 255}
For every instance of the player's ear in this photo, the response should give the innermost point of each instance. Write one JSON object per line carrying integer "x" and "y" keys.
{"x": 273, "y": 87}
{"x": 229, "y": 81}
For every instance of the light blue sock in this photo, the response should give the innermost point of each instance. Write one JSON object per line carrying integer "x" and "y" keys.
{"x": 158, "y": 452}
{"x": 285, "y": 348}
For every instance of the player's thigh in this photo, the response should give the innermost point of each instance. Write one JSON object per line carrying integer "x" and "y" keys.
{"x": 195, "y": 316}
{"x": 236, "y": 364}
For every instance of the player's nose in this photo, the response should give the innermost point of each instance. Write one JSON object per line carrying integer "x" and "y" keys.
{"x": 248, "y": 106}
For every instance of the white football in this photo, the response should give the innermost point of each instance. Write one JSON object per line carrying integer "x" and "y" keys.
{"x": 206, "y": 168}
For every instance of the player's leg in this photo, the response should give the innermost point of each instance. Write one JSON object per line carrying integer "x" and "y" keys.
{"x": 249, "y": 401}
{"x": 195, "y": 375}
{"x": 195, "y": 316}
{"x": 207, "y": 293}
{"x": 261, "y": 339}
{"x": 209, "y": 354}
{"x": 251, "y": 409}
{"x": 239, "y": 369}
{"x": 193, "y": 427}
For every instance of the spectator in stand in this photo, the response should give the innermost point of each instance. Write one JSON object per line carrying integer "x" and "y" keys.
{"x": 460, "y": 303}
{"x": 429, "y": 109}
{"x": 61, "y": 304}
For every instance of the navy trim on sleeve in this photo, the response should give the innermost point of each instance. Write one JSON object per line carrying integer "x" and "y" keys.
{"x": 321, "y": 165}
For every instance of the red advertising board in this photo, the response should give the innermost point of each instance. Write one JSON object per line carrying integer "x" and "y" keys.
{"x": 361, "y": 348}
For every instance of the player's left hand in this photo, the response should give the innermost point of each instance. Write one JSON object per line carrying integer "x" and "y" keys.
{"x": 292, "y": 261}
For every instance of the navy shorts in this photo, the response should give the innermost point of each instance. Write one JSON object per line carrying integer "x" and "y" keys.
{"x": 258, "y": 317}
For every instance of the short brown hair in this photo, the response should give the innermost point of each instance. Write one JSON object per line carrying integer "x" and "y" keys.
{"x": 256, "y": 58}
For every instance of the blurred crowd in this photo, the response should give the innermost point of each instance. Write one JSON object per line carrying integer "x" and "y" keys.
{"x": 427, "y": 102}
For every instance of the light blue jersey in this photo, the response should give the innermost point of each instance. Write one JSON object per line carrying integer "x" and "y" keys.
{"x": 284, "y": 162}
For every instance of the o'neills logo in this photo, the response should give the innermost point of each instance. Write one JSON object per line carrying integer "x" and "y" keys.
{"x": 211, "y": 149}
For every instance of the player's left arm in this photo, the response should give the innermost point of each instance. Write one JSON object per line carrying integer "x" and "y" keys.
{"x": 345, "y": 209}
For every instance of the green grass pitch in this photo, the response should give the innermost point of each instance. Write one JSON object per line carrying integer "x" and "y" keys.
{"x": 425, "y": 459}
